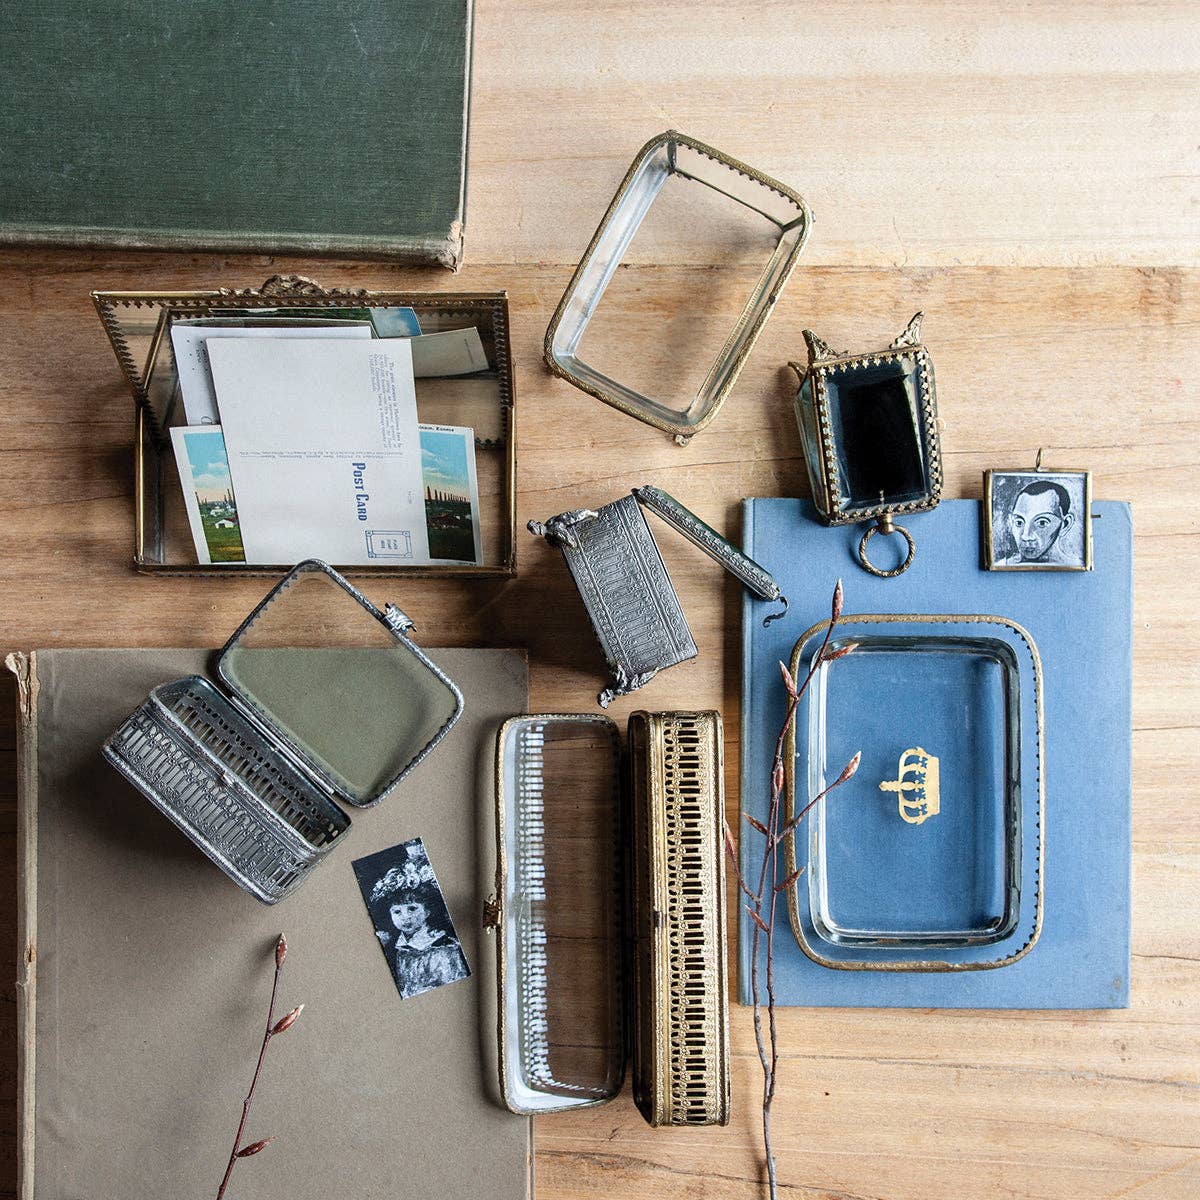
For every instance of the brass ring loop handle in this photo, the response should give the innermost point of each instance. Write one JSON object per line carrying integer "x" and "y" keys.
{"x": 886, "y": 525}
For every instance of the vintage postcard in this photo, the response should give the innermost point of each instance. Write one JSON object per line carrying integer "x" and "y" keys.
{"x": 208, "y": 493}
{"x": 411, "y": 919}
{"x": 324, "y": 449}
{"x": 451, "y": 352}
{"x": 451, "y": 494}
{"x": 189, "y": 340}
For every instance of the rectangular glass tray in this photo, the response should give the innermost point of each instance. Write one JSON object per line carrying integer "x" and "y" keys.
{"x": 929, "y": 858}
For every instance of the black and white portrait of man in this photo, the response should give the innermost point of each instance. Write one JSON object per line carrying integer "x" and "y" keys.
{"x": 1038, "y": 520}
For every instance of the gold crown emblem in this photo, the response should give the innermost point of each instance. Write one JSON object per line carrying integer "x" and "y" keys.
{"x": 917, "y": 785}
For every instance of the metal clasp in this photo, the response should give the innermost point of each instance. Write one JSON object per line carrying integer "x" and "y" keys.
{"x": 396, "y": 619}
{"x": 886, "y": 525}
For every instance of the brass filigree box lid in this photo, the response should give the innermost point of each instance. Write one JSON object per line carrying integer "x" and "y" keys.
{"x": 609, "y": 915}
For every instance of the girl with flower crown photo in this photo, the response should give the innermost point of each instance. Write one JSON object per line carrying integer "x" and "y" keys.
{"x": 411, "y": 919}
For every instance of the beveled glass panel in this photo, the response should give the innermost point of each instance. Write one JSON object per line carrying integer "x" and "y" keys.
{"x": 360, "y": 703}
{"x": 922, "y": 846}
{"x": 562, "y": 1019}
{"x": 878, "y": 435}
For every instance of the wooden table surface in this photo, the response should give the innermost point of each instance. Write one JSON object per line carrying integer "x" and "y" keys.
{"x": 1025, "y": 174}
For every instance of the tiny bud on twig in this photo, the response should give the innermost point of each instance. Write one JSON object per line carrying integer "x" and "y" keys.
{"x": 755, "y": 824}
{"x": 789, "y": 681}
{"x": 757, "y": 919}
{"x": 287, "y": 1020}
{"x": 777, "y": 778}
{"x": 837, "y": 601}
{"x": 849, "y": 769}
{"x": 787, "y": 883}
{"x": 255, "y": 1147}
{"x": 841, "y": 652}
{"x": 280, "y": 951}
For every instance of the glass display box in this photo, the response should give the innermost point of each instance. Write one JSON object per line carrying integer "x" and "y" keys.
{"x": 138, "y": 325}
{"x": 869, "y": 428}
{"x": 675, "y": 161}
{"x": 321, "y": 699}
{"x": 930, "y": 856}
{"x": 608, "y": 913}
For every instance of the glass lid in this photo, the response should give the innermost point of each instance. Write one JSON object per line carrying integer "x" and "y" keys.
{"x": 561, "y": 922}
{"x": 934, "y": 844}
{"x": 320, "y": 665}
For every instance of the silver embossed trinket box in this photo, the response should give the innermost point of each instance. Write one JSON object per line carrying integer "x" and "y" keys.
{"x": 624, "y": 584}
{"x": 322, "y": 698}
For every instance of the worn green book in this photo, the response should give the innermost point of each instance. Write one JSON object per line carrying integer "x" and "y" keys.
{"x": 312, "y": 126}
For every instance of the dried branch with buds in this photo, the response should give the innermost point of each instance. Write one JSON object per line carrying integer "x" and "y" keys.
{"x": 761, "y": 902}
{"x": 274, "y": 1028}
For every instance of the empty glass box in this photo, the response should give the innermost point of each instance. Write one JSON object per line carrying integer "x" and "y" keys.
{"x": 138, "y": 325}
{"x": 934, "y": 845}
{"x": 780, "y": 220}
{"x": 322, "y": 699}
{"x": 608, "y": 913}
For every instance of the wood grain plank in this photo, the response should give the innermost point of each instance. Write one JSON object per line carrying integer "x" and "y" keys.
{"x": 948, "y": 133}
{"x": 1095, "y": 365}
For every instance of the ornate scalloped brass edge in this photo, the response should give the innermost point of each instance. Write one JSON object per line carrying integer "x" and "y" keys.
{"x": 682, "y": 431}
{"x": 814, "y": 374}
{"x": 929, "y": 965}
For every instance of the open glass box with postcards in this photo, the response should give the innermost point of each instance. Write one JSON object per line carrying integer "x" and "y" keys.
{"x": 608, "y": 910}
{"x": 139, "y": 326}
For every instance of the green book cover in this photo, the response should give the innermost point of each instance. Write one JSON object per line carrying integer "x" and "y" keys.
{"x": 284, "y": 125}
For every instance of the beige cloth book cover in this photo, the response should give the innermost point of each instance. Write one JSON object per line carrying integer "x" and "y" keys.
{"x": 146, "y": 975}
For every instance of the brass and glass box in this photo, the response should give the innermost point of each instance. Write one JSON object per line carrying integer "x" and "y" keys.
{"x": 322, "y": 700}
{"x": 608, "y": 912}
{"x": 139, "y": 325}
{"x": 869, "y": 427}
{"x": 930, "y": 857}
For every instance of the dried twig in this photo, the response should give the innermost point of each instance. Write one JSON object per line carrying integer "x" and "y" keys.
{"x": 273, "y": 1028}
{"x": 762, "y": 902}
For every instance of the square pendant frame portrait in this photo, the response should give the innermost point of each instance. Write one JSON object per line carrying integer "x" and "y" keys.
{"x": 992, "y": 486}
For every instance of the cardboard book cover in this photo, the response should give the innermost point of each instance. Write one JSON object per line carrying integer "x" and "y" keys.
{"x": 307, "y": 126}
{"x": 1069, "y": 945}
{"x": 145, "y": 972}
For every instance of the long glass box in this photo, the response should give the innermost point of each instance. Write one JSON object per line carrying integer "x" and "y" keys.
{"x": 608, "y": 914}
{"x": 138, "y": 325}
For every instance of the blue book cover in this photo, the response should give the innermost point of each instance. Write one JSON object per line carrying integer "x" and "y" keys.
{"x": 1081, "y": 623}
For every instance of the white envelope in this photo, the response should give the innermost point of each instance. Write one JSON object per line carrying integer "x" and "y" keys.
{"x": 191, "y": 358}
{"x": 324, "y": 450}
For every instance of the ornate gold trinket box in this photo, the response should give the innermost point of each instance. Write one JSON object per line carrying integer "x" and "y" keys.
{"x": 869, "y": 427}
{"x": 608, "y": 912}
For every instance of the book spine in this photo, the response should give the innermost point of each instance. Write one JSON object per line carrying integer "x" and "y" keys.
{"x": 746, "y": 759}
{"x": 24, "y": 668}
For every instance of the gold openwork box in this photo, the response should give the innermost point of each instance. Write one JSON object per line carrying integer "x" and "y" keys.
{"x": 608, "y": 912}
{"x": 139, "y": 325}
